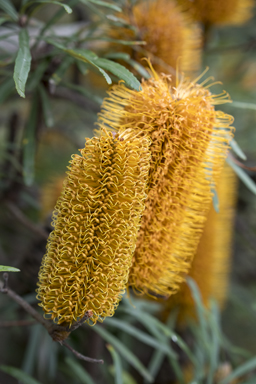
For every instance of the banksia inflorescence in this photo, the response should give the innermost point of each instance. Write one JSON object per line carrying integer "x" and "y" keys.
{"x": 221, "y": 12}
{"x": 210, "y": 267}
{"x": 189, "y": 142}
{"x": 169, "y": 35}
{"x": 96, "y": 221}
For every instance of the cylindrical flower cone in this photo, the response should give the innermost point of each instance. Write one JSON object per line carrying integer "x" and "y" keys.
{"x": 169, "y": 35}
{"x": 221, "y": 12}
{"x": 189, "y": 142}
{"x": 211, "y": 264}
{"x": 96, "y": 221}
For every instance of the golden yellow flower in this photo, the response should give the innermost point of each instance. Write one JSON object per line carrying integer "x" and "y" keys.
{"x": 96, "y": 221}
{"x": 189, "y": 142}
{"x": 218, "y": 11}
{"x": 210, "y": 267}
{"x": 169, "y": 35}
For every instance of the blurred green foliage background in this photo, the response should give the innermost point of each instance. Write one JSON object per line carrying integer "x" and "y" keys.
{"x": 38, "y": 135}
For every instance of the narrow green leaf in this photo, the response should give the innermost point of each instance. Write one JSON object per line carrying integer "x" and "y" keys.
{"x": 101, "y": 64}
{"x": 22, "y": 63}
{"x": 127, "y": 378}
{"x": 83, "y": 67}
{"x": 119, "y": 71}
{"x": 3, "y": 20}
{"x": 84, "y": 55}
{"x": 118, "y": 56}
{"x": 243, "y": 105}
{"x": 177, "y": 370}
{"x": 124, "y": 56}
{"x": 29, "y": 144}
{"x": 30, "y": 356}
{"x": 79, "y": 371}
{"x": 138, "y": 334}
{"x": 159, "y": 330}
{"x": 117, "y": 365}
{"x": 199, "y": 308}
{"x": 123, "y": 42}
{"x": 242, "y": 176}
{"x": 46, "y": 106}
{"x": 6, "y": 6}
{"x": 60, "y": 72}
{"x": 174, "y": 363}
{"x": 155, "y": 363}
{"x": 55, "y": 18}
{"x": 215, "y": 342}
{"x": 4, "y": 268}
{"x": 19, "y": 375}
{"x": 142, "y": 305}
{"x": 89, "y": 57}
{"x": 139, "y": 68}
{"x": 124, "y": 351}
{"x": 103, "y": 4}
{"x": 238, "y": 372}
{"x": 65, "y": 6}
{"x": 238, "y": 151}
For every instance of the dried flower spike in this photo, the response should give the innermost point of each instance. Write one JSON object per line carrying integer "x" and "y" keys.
{"x": 169, "y": 35}
{"x": 210, "y": 267}
{"x": 189, "y": 142}
{"x": 96, "y": 221}
{"x": 218, "y": 11}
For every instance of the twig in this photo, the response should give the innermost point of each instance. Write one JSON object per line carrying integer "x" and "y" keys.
{"x": 79, "y": 356}
{"x": 16, "y": 323}
{"x": 58, "y": 332}
{"x": 76, "y": 325}
{"x": 26, "y": 306}
{"x": 19, "y": 215}
{"x": 5, "y": 277}
{"x": 241, "y": 165}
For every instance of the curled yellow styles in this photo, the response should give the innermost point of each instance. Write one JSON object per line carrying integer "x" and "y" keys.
{"x": 168, "y": 33}
{"x": 211, "y": 264}
{"x": 189, "y": 142}
{"x": 96, "y": 221}
{"x": 218, "y": 11}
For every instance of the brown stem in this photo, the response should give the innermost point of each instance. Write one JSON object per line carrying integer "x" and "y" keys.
{"x": 16, "y": 323}
{"x": 241, "y": 165}
{"x": 26, "y": 306}
{"x": 58, "y": 332}
{"x": 79, "y": 356}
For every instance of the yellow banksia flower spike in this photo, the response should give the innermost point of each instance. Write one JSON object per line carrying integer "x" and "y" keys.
{"x": 189, "y": 142}
{"x": 211, "y": 264}
{"x": 96, "y": 221}
{"x": 169, "y": 35}
{"x": 220, "y": 12}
